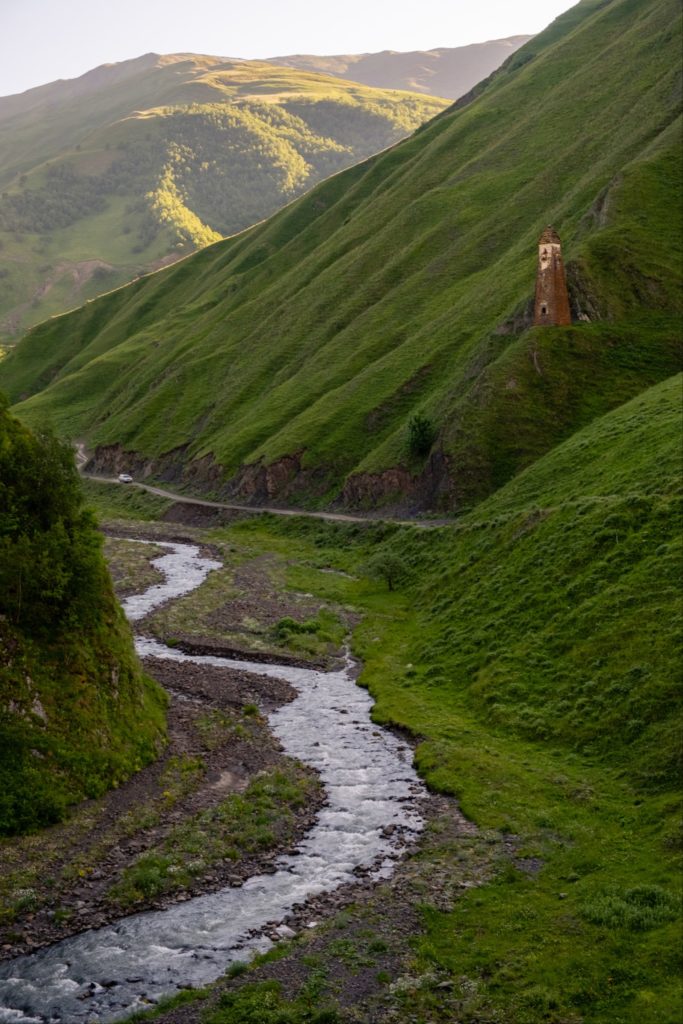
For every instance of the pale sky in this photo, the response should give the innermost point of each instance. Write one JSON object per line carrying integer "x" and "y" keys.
{"x": 42, "y": 40}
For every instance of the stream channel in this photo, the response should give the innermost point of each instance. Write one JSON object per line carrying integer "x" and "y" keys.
{"x": 106, "y": 974}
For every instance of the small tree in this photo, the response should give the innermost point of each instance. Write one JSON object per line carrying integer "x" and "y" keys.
{"x": 387, "y": 566}
{"x": 421, "y": 435}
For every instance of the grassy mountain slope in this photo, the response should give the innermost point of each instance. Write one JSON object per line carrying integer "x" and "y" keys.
{"x": 532, "y": 649}
{"x": 584, "y": 653}
{"x": 447, "y": 71}
{"x": 543, "y": 635}
{"x": 300, "y": 349}
{"x": 77, "y": 715}
{"x": 132, "y": 165}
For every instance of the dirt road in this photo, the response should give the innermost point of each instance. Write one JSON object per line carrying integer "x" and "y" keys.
{"x": 82, "y": 459}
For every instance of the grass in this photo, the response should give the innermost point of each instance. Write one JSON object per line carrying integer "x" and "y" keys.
{"x": 397, "y": 288}
{"x": 215, "y": 609}
{"x": 243, "y": 825}
{"x": 96, "y": 736}
{"x": 263, "y": 1003}
{"x": 165, "y": 159}
{"x": 75, "y": 848}
{"x": 313, "y": 636}
{"x": 533, "y": 650}
{"x": 531, "y": 647}
{"x": 123, "y": 502}
{"x": 260, "y": 1003}
{"x": 132, "y": 569}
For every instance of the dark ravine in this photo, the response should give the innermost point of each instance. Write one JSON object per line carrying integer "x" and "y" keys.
{"x": 372, "y": 813}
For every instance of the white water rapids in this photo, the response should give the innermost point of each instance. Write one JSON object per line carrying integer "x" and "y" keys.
{"x": 106, "y": 974}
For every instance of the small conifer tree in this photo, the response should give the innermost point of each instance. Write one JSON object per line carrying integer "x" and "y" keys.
{"x": 421, "y": 435}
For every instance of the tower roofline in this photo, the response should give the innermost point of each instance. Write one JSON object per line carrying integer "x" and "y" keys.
{"x": 549, "y": 236}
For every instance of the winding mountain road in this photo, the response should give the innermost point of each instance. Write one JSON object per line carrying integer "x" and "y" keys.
{"x": 82, "y": 458}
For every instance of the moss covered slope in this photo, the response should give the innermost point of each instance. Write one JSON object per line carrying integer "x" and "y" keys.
{"x": 76, "y": 713}
{"x": 301, "y": 348}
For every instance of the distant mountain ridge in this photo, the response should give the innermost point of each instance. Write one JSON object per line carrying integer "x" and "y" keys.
{"x": 102, "y": 76}
{"x": 285, "y": 364}
{"x": 133, "y": 165}
{"x": 446, "y": 71}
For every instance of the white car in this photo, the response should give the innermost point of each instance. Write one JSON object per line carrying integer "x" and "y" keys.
{"x": 125, "y": 478}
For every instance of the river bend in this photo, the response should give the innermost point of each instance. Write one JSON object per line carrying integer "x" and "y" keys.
{"x": 370, "y": 784}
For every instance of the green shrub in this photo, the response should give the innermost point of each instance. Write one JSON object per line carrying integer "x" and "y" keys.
{"x": 324, "y": 629}
{"x": 421, "y": 435}
{"x": 288, "y": 626}
{"x": 263, "y": 1004}
{"x": 388, "y": 566}
{"x": 638, "y": 909}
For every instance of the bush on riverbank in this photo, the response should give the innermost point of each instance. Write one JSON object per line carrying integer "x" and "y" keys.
{"x": 77, "y": 713}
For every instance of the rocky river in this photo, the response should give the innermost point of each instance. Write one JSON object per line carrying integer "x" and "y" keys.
{"x": 372, "y": 813}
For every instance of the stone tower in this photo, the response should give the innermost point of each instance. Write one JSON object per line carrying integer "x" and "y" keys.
{"x": 552, "y": 298}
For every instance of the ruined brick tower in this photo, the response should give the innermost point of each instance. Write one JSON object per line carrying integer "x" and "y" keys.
{"x": 552, "y": 298}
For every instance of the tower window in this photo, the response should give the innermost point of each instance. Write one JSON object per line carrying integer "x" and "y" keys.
{"x": 544, "y": 310}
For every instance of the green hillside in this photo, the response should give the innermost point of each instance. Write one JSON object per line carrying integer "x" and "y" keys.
{"x": 76, "y": 714}
{"x": 532, "y": 651}
{"x": 135, "y": 164}
{"x": 536, "y": 651}
{"x": 286, "y": 363}
{"x": 583, "y": 654}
